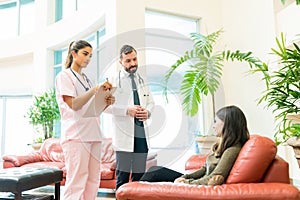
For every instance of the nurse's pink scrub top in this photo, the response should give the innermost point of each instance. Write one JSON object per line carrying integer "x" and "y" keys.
{"x": 73, "y": 125}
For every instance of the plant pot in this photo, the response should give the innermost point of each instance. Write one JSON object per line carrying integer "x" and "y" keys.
{"x": 36, "y": 146}
{"x": 205, "y": 143}
{"x": 295, "y": 118}
{"x": 295, "y": 143}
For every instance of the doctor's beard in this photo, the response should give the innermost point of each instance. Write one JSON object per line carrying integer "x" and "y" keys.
{"x": 132, "y": 69}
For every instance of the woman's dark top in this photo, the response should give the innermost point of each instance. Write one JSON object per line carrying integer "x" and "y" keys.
{"x": 214, "y": 166}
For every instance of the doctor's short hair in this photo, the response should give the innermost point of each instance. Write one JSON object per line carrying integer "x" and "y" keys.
{"x": 126, "y": 49}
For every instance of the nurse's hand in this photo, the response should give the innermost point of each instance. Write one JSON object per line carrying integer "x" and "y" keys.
{"x": 107, "y": 85}
{"x": 110, "y": 100}
{"x": 95, "y": 89}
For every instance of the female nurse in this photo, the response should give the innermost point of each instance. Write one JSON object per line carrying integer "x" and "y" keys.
{"x": 80, "y": 136}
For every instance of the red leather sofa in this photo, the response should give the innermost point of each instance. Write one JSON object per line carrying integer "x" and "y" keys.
{"x": 50, "y": 156}
{"x": 258, "y": 174}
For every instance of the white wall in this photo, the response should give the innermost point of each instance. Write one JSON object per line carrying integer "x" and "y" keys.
{"x": 16, "y": 74}
{"x": 247, "y": 30}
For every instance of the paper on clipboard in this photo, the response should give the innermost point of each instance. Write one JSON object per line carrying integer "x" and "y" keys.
{"x": 98, "y": 103}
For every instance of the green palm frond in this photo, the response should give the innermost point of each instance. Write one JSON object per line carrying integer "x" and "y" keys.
{"x": 205, "y": 69}
{"x": 204, "y": 44}
{"x": 283, "y": 93}
{"x": 187, "y": 56}
{"x": 190, "y": 92}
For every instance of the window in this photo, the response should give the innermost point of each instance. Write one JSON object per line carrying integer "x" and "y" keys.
{"x": 2, "y": 117}
{"x": 9, "y": 12}
{"x": 65, "y": 8}
{"x": 166, "y": 40}
{"x": 16, "y": 131}
{"x": 174, "y": 23}
{"x": 19, "y": 17}
{"x": 27, "y": 16}
{"x": 92, "y": 71}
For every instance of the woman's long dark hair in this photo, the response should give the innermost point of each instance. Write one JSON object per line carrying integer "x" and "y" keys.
{"x": 75, "y": 46}
{"x": 235, "y": 130}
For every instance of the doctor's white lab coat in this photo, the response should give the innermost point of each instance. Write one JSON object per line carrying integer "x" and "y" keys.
{"x": 123, "y": 124}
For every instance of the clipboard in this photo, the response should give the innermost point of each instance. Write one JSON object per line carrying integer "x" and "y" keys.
{"x": 98, "y": 104}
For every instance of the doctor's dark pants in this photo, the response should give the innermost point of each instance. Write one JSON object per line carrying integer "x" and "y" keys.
{"x": 134, "y": 162}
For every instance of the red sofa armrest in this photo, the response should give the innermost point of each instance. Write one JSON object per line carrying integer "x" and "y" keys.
{"x": 195, "y": 162}
{"x": 171, "y": 191}
{"x": 18, "y": 161}
{"x": 278, "y": 171}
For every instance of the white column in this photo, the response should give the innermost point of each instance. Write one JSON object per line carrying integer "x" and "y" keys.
{"x": 125, "y": 25}
{"x": 42, "y": 57}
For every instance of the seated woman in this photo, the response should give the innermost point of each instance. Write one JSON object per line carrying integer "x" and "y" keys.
{"x": 230, "y": 125}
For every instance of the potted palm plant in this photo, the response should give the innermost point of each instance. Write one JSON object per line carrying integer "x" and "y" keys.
{"x": 205, "y": 66}
{"x": 282, "y": 94}
{"x": 43, "y": 113}
{"x": 204, "y": 71}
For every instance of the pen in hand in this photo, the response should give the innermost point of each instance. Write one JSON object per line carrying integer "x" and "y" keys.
{"x": 107, "y": 85}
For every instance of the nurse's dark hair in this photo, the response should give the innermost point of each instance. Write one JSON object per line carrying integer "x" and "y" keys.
{"x": 235, "y": 129}
{"x": 75, "y": 46}
{"x": 126, "y": 49}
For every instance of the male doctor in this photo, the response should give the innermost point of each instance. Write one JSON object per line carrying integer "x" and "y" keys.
{"x": 132, "y": 108}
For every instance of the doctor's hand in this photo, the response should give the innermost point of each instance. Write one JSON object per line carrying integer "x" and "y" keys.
{"x": 142, "y": 114}
{"x": 138, "y": 112}
{"x": 132, "y": 110}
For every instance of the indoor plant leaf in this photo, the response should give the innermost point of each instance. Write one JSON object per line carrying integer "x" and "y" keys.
{"x": 205, "y": 68}
{"x": 283, "y": 88}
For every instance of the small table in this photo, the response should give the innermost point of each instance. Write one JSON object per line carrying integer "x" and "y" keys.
{"x": 19, "y": 179}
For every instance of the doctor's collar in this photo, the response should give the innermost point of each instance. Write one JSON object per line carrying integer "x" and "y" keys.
{"x": 127, "y": 74}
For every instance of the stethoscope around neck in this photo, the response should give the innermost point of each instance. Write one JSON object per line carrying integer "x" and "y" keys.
{"x": 86, "y": 78}
{"x": 140, "y": 80}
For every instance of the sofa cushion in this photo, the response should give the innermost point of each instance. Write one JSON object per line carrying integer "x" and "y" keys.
{"x": 253, "y": 160}
{"x": 195, "y": 162}
{"x": 56, "y": 165}
{"x": 278, "y": 171}
{"x": 51, "y": 150}
{"x": 107, "y": 152}
{"x": 22, "y": 160}
{"x": 106, "y": 172}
